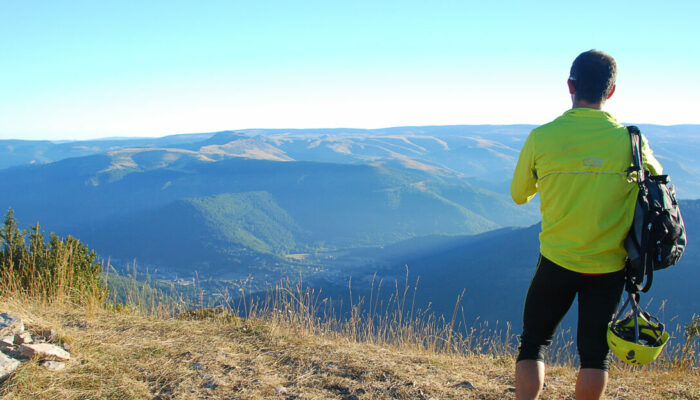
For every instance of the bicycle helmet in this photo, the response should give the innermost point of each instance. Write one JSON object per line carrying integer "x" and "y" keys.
{"x": 637, "y": 343}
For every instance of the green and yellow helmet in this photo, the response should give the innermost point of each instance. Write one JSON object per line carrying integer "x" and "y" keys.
{"x": 637, "y": 343}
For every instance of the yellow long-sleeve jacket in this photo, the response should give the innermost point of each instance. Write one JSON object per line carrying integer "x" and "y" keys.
{"x": 578, "y": 164}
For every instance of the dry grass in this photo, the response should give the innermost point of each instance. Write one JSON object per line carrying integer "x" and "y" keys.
{"x": 291, "y": 345}
{"x": 209, "y": 355}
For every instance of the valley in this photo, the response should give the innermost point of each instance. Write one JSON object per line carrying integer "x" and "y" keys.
{"x": 343, "y": 210}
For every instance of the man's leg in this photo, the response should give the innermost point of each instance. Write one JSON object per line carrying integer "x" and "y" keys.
{"x": 549, "y": 297}
{"x": 598, "y": 301}
{"x": 591, "y": 383}
{"x": 529, "y": 379}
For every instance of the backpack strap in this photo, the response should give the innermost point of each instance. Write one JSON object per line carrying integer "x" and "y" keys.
{"x": 636, "y": 142}
{"x": 636, "y": 273}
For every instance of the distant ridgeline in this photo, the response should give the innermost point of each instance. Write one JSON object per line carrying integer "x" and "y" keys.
{"x": 257, "y": 205}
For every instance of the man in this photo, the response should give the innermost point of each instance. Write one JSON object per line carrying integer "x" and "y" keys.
{"x": 578, "y": 164}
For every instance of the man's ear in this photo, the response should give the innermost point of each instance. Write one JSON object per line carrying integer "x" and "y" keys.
{"x": 611, "y": 92}
{"x": 572, "y": 89}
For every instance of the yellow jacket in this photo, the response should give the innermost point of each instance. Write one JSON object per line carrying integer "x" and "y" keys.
{"x": 578, "y": 164}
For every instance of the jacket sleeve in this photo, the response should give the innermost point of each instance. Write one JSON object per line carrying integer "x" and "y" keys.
{"x": 651, "y": 164}
{"x": 523, "y": 187}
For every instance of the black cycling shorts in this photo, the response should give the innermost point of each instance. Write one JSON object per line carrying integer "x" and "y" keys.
{"x": 551, "y": 293}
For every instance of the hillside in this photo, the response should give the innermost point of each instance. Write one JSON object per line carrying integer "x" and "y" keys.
{"x": 124, "y": 355}
{"x": 202, "y": 234}
{"x": 494, "y": 271}
{"x": 127, "y": 203}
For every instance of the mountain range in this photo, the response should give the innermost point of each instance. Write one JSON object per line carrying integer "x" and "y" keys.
{"x": 258, "y": 205}
{"x": 484, "y": 153}
{"x": 320, "y": 191}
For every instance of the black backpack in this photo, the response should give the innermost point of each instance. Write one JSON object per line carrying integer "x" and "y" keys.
{"x": 657, "y": 237}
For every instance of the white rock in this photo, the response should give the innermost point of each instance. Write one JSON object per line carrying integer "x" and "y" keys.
{"x": 10, "y": 325}
{"x": 44, "y": 351}
{"x": 22, "y": 338}
{"x": 54, "y": 365}
{"x": 7, "y": 342}
{"x": 7, "y": 366}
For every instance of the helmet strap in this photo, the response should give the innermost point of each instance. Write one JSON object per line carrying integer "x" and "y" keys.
{"x": 632, "y": 299}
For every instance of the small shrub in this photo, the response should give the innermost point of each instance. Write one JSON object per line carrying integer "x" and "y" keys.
{"x": 51, "y": 269}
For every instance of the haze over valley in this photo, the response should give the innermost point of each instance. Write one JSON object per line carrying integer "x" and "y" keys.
{"x": 244, "y": 209}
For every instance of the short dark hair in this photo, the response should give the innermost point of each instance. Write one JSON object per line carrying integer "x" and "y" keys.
{"x": 593, "y": 74}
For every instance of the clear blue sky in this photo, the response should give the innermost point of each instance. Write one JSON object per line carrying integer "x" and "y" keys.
{"x": 88, "y": 69}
